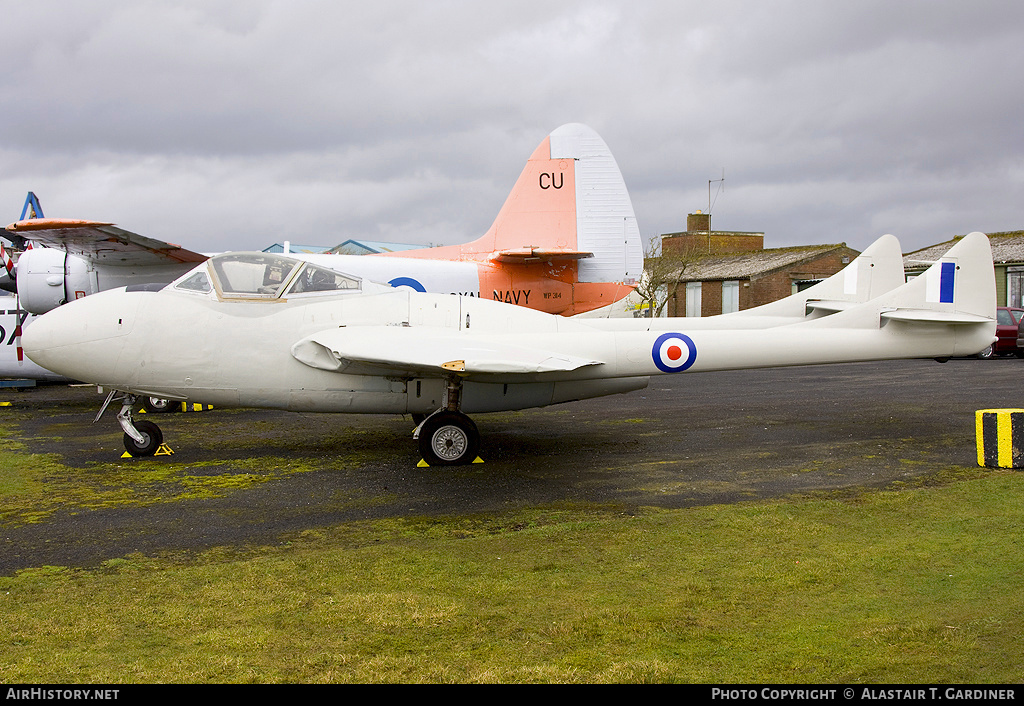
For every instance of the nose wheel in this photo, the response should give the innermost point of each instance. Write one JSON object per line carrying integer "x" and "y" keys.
{"x": 151, "y": 439}
{"x": 141, "y": 437}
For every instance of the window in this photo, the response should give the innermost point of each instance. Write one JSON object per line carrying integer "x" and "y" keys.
{"x": 253, "y": 274}
{"x": 320, "y": 279}
{"x": 1005, "y": 317}
{"x": 730, "y": 296}
{"x": 257, "y": 275}
{"x": 693, "y": 298}
{"x": 1015, "y": 286}
{"x": 196, "y": 282}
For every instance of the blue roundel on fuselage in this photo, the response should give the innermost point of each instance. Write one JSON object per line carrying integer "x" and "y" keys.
{"x": 407, "y": 282}
{"x": 673, "y": 352}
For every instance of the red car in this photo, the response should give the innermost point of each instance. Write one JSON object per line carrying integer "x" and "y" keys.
{"x": 1008, "y": 333}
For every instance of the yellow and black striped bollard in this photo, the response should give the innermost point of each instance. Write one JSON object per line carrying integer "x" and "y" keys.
{"x": 1000, "y": 437}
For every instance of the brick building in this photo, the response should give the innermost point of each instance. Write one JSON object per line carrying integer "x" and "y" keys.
{"x": 699, "y": 238}
{"x": 728, "y": 271}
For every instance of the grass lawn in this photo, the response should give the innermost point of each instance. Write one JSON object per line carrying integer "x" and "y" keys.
{"x": 907, "y": 585}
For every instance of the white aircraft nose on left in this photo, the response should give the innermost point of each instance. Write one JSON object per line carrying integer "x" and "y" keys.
{"x": 82, "y": 339}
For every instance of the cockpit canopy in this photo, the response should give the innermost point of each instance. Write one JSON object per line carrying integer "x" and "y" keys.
{"x": 257, "y": 275}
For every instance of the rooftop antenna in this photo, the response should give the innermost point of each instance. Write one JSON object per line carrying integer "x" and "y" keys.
{"x": 721, "y": 188}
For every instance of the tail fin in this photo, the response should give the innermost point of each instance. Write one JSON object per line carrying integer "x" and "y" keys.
{"x": 569, "y": 204}
{"x": 959, "y": 289}
{"x": 956, "y": 295}
{"x": 876, "y": 271}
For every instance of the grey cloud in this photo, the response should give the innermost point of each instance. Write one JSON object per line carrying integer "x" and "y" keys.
{"x": 240, "y": 122}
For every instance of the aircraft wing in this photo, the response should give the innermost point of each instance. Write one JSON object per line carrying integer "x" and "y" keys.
{"x": 102, "y": 242}
{"x": 931, "y": 316}
{"x": 407, "y": 350}
{"x": 520, "y": 256}
{"x": 828, "y": 306}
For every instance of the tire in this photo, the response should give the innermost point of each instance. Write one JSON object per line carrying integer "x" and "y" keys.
{"x": 153, "y": 438}
{"x": 156, "y": 405}
{"x": 449, "y": 439}
{"x": 985, "y": 354}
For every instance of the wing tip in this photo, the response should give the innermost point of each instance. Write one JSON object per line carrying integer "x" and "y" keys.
{"x": 33, "y": 224}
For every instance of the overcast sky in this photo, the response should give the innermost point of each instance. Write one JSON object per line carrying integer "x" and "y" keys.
{"x": 238, "y": 124}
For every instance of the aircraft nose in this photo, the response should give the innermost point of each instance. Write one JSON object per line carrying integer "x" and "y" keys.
{"x": 82, "y": 339}
{"x": 38, "y": 335}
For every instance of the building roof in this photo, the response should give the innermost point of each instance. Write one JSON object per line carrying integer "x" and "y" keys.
{"x": 755, "y": 264}
{"x": 366, "y": 247}
{"x": 349, "y": 247}
{"x": 714, "y": 232}
{"x": 1007, "y": 246}
{"x": 295, "y": 248}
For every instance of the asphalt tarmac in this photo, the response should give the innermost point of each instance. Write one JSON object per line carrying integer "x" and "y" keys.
{"x": 688, "y": 439}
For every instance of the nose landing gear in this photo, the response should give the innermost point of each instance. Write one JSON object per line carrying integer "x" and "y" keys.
{"x": 142, "y": 437}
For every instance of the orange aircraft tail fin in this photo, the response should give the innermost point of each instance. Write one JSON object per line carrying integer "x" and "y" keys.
{"x": 569, "y": 204}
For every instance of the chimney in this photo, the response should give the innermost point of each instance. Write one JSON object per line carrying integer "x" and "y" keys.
{"x": 698, "y": 222}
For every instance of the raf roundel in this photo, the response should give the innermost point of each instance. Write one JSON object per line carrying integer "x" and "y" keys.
{"x": 673, "y": 352}
{"x": 407, "y": 282}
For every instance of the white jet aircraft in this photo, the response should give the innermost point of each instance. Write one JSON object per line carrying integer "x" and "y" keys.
{"x": 261, "y": 330}
{"x": 877, "y": 270}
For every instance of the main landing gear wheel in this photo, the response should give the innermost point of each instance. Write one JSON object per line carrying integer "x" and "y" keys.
{"x": 152, "y": 437}
{"x": 159, "y": 405}
{"x": 449, "y": 439}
